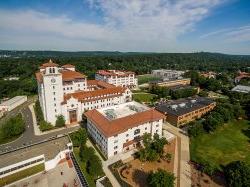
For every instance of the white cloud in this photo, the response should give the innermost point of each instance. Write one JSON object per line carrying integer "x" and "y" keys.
{"x": 128, "y": 25}
{"x": 229, "y": 35}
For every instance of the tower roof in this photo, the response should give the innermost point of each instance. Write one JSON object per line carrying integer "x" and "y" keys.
{"x": 50, "y": 63}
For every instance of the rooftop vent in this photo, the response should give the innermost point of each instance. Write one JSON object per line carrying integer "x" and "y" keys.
{"x": 182, "y": 105}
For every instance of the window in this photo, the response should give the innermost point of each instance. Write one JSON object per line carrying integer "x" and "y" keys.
{"x": 115, "y": 147}
{"x": 127, "y": 135}
{"x": 55, "y": 110}
{"x": 54, "y": 99}
{"x": 53, "y": 87}
{"x": 115, "y": 141}
{"x": 146, "y": 128}
{"x": 137, "y": 131}
{"x": 54, "y": 93}
{"x": 55, "y": 104}
{"x": 157, "y": 125}
{"x": 115, "y": 152}
{"x": 127, "y": 140}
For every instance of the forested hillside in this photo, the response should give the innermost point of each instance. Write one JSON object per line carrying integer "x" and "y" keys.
{"x": 25, "y": 63}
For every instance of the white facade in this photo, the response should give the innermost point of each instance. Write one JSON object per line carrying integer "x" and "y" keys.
{"x": 167, "y": 74}
{"x": 127, "y": 138}
{"x": 118, "y": 78}
{"x": 38, "y": 158}
{"x": 55, "y": 84}
{"x": 12, "y": 103}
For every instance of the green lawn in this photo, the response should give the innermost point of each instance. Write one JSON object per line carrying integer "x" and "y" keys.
{"x": 21, "y": 174}
{"x": 229, "y": 143}
{"x": 143, "y": 97}
{"x": 146, "y": 78}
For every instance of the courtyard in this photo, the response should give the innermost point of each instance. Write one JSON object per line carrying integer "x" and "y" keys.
{"x": 135, "y": 172}
{"x": 63, "y": 175}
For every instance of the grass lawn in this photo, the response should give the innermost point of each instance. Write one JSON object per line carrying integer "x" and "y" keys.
{"x": 228, "y": 143}
{"x": 89, "y": 178}
{"x": 22, "y": 174}
{"x": 146, "y": 78}
{"x": 4, "y": 140}
{"x": 143, "y": 97}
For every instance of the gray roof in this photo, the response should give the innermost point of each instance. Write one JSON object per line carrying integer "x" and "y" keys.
{"x": 12, "y": 101}
{"x": 49, "y": 148}
{"x": 241, "y": 88}
{"x": 183, "y": 106}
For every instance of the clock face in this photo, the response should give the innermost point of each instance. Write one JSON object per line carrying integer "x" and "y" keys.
{"x": 53, "y": 80}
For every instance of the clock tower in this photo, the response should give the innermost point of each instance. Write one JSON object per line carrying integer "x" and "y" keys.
{"x": 52, "y": 91}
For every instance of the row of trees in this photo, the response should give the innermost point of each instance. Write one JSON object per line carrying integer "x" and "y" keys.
{"x": 14, "y": 127}
{"x": 164, "y": 92}
{"x": 87, "y": 154}
{"x": 223, "y": 113}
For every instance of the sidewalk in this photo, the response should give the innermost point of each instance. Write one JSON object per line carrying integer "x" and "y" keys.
{"x": 185, "y": 169}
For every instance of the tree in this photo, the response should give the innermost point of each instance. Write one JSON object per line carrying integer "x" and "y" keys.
{"x": 158, "y": 143}
{"x": 161, "y": 178}
{"x": 86, "y": 153}
{"x": 79, "y": 137}
{"x": 210, "y": 124}
{"x": 60, "y": 121}
{"x": 237, "y": 174}
{"x": 94, "y": 166}
{"x": 195, "y": 128}
{"x": 13, "y": 127}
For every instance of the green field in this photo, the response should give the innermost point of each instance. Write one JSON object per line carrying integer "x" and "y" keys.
{"x": 228, "y": 143}
{"x": 146, "y": 78}
{"x": 143, "y": 97}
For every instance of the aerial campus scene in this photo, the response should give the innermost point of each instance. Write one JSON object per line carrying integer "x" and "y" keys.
{"x": 125, "y": 93}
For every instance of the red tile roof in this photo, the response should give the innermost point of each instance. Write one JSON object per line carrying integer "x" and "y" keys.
{"x": 86, "y": 96}
{"x": 114, "y": 73}
{"x": 39, "y": 77}
{"x": 112, "y": 127}
{"x": 99, "y": 83}
{"x": 68, "y": 66}
{"x": 68, "y": 75}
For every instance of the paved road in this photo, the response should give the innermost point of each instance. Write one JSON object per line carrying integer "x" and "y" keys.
{"x": 29, "y": 136}
{"x": 18, "y": 109}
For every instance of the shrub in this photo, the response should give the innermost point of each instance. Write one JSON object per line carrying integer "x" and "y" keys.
{"x": 60, "y": 121}
{"x": 44, "y": 126}
{"x": 161, "y": 178}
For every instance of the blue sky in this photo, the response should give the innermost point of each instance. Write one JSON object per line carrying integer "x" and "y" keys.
{"x": 127, "y": 25}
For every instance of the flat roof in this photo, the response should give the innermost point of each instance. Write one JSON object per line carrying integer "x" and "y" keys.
{"x": 122, "y": 110}
{"x": 183, "y": 106}
{"x": 110, "y": 126}
{"x": 49, "y": 148}
{"x": 12, "y": 100}
{"x": 169, "y": 80}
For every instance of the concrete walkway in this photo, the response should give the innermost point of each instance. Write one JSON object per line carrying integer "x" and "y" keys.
{"x": 185, "y": 169}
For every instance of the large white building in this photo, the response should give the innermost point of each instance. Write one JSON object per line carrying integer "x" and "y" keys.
{"x": 117, "y": 129}
{"x": 118, "y": 78}
{"x": 64, "y": 91}
{"x": 167, "y": 74}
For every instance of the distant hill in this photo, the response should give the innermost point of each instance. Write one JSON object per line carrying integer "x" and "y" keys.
{"x": 28, "y": 53}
